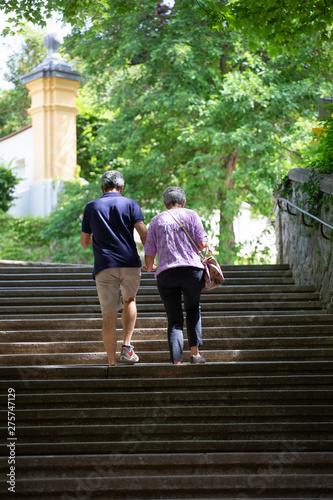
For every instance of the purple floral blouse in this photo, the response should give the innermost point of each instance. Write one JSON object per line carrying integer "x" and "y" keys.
{"x": 172, "y": 246}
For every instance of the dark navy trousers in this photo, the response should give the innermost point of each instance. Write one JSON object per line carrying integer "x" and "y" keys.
{"x": 172, "y": 284}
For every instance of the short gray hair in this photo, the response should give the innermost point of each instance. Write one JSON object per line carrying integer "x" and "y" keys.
{"x": 112, "y": 179}
{"x": 174, "y": 196}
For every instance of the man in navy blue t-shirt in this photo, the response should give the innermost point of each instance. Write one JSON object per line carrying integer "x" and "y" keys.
{"x": 108, "y": 225}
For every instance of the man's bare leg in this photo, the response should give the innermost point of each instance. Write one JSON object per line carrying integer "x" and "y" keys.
{"x": 128, "y": 319}
{"x": 109, "y": 334}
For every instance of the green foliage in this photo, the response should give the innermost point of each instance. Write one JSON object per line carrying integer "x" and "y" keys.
{"x": 284, "y": 188}
{"x": 168, "y": 100}
{"x": 8, "y": 182}
{"x": 189, "y": 106}
{"x": 20, "y": 238}
{"x": 320, "y": 160}
{"x": 75, "y": 12}
{"x": 14, "y": 103}
{"x": 90, "y": 144}
{"x": 282, "y": 24}
{"x": 320, "y": 154}
{"x": 63, "y": 227}
{"x": 55, "y": 238}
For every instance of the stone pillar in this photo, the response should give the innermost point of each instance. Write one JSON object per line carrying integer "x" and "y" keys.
{"x": 53, "y": 86}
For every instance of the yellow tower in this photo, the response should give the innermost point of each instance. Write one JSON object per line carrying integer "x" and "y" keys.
{"x": 53, "y": 86}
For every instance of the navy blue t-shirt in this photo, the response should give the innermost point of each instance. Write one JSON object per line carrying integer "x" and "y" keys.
{"x": 111, "y": 219}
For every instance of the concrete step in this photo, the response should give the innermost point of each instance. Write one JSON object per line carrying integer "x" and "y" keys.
{"x": 32, "y": 371}
{"x": 172, "y": 464}
{"x": 154, "y": 432}
{"x": 48, "y": 274}
{"x": 89, "y": 282}
{"x": 133, "y": 399}
{"x": 249, "y": 320}
{"x": 227, "y": 355}
{"x": 77, "y": 268}
{"x": 43, "y": 299}
{"x": 152, "y": 291}
{"x": 187, "y": 415}
{"x": 155, "y": 345}
{"x": 133, "y": 445}
{"x": 266, "y": 391}
{"x": 187, "y": 382}
{"x": 218, "y": 332}
{"x": 210, "y": 307}
{"x": 187, "y": 486}
{"x": 149, "y": 315}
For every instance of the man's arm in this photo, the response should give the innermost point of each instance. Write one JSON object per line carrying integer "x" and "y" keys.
{"x": 86, "y": 239}
{"x": 142, "y": 230}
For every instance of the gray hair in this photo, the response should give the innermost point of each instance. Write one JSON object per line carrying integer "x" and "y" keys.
{"x": 112, "y": 179}
{"x": 174, "y": 196}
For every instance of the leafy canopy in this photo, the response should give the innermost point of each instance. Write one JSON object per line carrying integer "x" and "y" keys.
{"x": 168, "y": 100}
{"x": 15, "y": 102}
{"x": 282, "y": 23}
{"x": 190, "y": 106}
{"x": 8, "y": 182}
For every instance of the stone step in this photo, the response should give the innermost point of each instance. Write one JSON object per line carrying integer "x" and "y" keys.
{"x": 294, "y": 354}
{"x": 155, "y": 345}
{"x": 133, "y": 399}
{"x": 266, "y": 392}
{"x": 49, "y": 283}
{"x": 187, "y": 486}
{"x": 171, "y": 446}
{"x": 151, "y": 322}
{"x": 9, "y": 303}
{"x": 261, "y": 368}
{"x": 187, "y": 415}
{"x": 150, "y": 315}
{"x": 119, "y": 384}
{"x": 40, "y": 275}
{"x": 153, "y": 431}
{"x": 233, "y": 271}
{"x": 79, "y": 466}
{"x": 152, "y": 290}
{"x": 156, "y": 305}
{"x": 77, "y": 268}
{"x": 218, "y": 332}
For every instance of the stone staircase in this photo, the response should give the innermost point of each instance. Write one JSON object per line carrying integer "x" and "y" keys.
{"x": 254, "y": 422}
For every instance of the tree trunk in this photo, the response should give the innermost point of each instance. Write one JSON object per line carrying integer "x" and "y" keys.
{"x": 226, "y": 230}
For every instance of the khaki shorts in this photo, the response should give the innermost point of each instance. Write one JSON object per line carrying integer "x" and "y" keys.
{"x": 108, "y": 282}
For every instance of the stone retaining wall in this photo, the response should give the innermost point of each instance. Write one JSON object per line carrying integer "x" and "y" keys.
{"x": 309, "y": 255}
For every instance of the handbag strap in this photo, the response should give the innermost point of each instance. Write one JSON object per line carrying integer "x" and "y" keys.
{"x": 186, "y": 232}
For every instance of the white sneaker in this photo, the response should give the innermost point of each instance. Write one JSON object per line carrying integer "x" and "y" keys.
{"x": 128, "y": 354}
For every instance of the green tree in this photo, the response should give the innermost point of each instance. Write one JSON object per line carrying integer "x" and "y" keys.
{"x": 15, "y": 102}
{"x": 8, "y": 182}
{"x": 63, "y": 227}
{"x": 191, "y": 106}
{"x": 282, "y": 23}
{"x": 55, "y": 238}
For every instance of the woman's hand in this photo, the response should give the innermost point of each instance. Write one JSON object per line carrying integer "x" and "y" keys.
{"x": 150, "y": 264}
{"x": 201, "y": 245}
{"x": 148, "y": 270}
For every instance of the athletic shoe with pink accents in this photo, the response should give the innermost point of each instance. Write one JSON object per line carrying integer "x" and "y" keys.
{"x": 128, "y": 354}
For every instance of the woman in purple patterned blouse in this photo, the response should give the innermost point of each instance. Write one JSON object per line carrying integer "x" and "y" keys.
{"x": 179, "y": 271}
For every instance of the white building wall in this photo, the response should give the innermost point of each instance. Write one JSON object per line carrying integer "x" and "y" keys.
{"x": 35, "y": 198}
